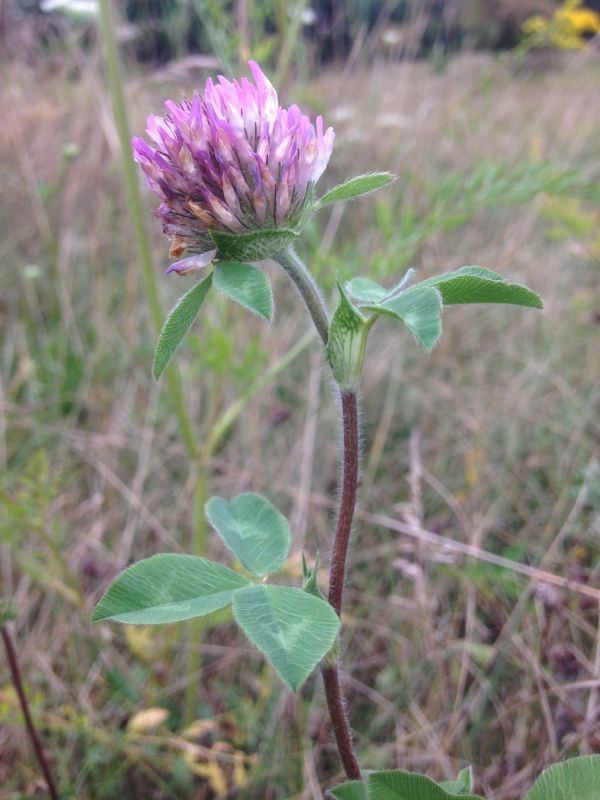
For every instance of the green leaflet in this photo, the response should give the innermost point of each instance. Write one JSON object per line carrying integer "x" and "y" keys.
{"x": 355, "y": 187}
{"x": 364, "y": 290}
{"x": 292, "y": 628}
{"x": 420, "y": 309}
{"x": 178, "y": 323}
{"x": 253, "y": 529}
{"x": 480, "y": 272}
{"x": 575, "y": 779}
{"x": 479, "y": 285}
{"x": 168, "y": 588}
{"x": 353, "y": 790}
{"x": 247, "y": 285}
{"x": 398, "y": 785}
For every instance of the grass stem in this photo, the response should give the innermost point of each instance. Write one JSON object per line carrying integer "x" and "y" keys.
{"x": 114, "y": 74}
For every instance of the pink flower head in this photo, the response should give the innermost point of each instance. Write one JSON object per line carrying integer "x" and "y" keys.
{"x": 231, "y": 160}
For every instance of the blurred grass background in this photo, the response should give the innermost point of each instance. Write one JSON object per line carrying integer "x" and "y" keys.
{"x": 472, "y": 619}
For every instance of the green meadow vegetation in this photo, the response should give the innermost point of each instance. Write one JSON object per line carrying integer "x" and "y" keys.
{"x": 471, "y": 623}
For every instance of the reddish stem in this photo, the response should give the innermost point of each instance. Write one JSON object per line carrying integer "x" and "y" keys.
{"x": 33, "y": 734}
{"x": 307, "y": 287}
{"x": 337, "y": 572}
{"x": 336, "y": 706}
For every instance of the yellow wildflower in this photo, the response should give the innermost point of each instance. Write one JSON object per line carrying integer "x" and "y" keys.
{"x": 567, "y": 29}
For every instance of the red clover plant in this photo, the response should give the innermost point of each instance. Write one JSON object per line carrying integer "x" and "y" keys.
{"x": 236, "y": 176}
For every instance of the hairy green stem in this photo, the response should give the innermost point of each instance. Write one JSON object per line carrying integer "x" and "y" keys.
{"x": 15, "y": 672}
{"x": 336, "y": 706}
{"x": 307, "y": 286}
